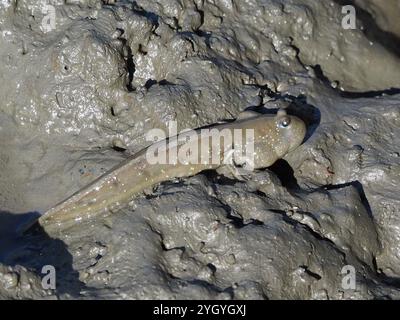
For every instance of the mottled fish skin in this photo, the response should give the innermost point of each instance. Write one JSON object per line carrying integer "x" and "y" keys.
{"x": 274, "y": 137}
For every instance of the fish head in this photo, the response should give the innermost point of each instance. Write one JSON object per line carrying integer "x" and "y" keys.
{"x": 290, "y": 131}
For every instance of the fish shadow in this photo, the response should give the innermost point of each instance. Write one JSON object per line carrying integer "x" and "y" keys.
{"x": 35, "y": 249}
{"x": 310, "y": 114}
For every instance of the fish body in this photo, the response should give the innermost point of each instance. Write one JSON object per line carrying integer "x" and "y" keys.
{"x": 272, "y": 137}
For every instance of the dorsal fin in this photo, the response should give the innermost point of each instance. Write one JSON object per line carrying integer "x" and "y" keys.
{"x": 247, "y": 114}
{"x": 281, "y": 112}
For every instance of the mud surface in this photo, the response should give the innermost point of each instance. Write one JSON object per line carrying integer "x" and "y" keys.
{"x": 80, "y": 98}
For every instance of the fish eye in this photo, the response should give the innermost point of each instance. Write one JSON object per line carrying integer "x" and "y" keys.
{"x": 284, "y": 122}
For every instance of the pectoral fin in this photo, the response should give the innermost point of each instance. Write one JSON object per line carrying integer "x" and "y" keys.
{"x": 247, "y": 114}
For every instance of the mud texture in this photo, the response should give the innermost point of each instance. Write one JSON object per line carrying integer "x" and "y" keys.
{"x": 79, "y": 99}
